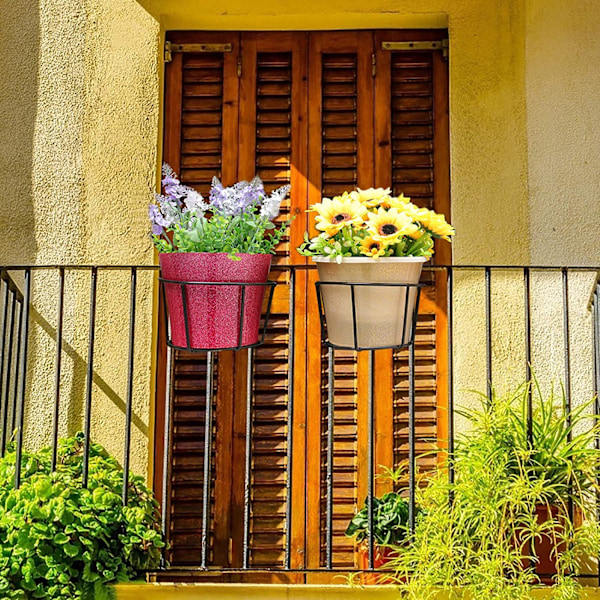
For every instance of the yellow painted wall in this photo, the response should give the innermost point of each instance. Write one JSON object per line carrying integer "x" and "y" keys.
{"x": 78, "y": 144}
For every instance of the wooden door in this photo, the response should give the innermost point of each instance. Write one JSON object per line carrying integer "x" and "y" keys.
{"x": 326, "y": 112}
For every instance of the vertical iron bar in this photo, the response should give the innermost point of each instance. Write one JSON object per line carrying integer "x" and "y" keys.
{"x": 166, "y": 442}
{"x": 22, "y": 378}
{"x": 370, "y": 458}
{"x": 248, "y": 466}
{"x": 8, "y": 373}
{"x": 206, "y": 490}
{"x": 567, "y": 343}
{"x": 186, "y": 319}
{"x": 411, "y": 437}
{"x": 329, "y": 476}
{"x": 3, "y": 408}
{"x": 488, "y": 329}
{"x": 19, "y": 321}
{"x": 527, "y": 287}
{"x": 58, "y": 360}
{"x": 567, "y": 359}
{"x": 89, "y": 378}
{"x": 354, "y": 324}
{"x": 450, "y": 313}
{"x": 290, "y": 421}
{"x": 243, "y": 308}
{"x": 129, "y": 401}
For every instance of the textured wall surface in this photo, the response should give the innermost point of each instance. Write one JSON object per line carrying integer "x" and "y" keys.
{"x": 79, "y": 104}
{"x": 79, "y": 107}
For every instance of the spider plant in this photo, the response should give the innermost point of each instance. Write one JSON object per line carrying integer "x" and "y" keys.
{"x": 481, "y": 535}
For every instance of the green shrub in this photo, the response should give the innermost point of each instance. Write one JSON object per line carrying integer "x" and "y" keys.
{"x": 61, "y": 540}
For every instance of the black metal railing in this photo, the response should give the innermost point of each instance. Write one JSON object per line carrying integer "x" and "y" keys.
{"x": 27, "y": 300}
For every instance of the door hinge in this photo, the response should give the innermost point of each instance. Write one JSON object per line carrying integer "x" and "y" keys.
{"x": 373, "y": 64}
{"x": 442, "y": 45}
{"x": 230, "y": 551}
{"x": 239, "y": 65}
{"x": 170, "y": 48}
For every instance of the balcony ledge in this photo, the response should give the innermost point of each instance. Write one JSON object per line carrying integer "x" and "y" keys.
{"x": 235, "y": 591}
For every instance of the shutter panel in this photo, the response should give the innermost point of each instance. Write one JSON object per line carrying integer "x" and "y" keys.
{"x": 273, "y": 146}
{"x": 411, "y": 126}
{"x": 340, "y": 159}
{"x": 337, "y": 125}
{"x": 200, "y": 143}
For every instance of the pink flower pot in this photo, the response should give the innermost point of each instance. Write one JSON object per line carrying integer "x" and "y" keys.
{"x": 214, "y": 312}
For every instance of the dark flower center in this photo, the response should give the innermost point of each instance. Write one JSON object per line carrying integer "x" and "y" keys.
{"x": 374, "y": 247}
{"x": 389, "y": 229}
{"x": 341, "y": 217}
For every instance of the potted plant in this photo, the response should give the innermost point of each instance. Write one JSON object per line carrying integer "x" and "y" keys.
{"x": 483, "y": 535}
{"x": 229, "y": 239}
{"x": 60, "y": 539}
{"x": 390, "y": 530}
{"x": 371, "y": 237}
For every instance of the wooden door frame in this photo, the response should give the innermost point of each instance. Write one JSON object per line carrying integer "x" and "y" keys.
{"x": 305, "y": 414}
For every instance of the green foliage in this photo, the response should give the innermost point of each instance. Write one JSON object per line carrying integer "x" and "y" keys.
{"x": 60, "y": 540}
{"x": 390, "y": 515}
{"x": 246, "y": 233}
{"x": 390, "y": 519}
{"x": 480, "y": 535}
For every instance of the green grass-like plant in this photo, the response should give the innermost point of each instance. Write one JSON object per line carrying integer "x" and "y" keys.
{"x": 477, "y": 537}
{"x": 61, "y": 540}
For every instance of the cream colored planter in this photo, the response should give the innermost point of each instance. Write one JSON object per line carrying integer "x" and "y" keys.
{"x": 383, "y": 314}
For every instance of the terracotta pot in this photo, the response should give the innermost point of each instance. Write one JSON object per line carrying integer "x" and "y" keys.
{"x": 546, "y": 565}
{"x": 381, "y": 558}
{"x": 383, "y": 314}
{"x": 214, "y": 312}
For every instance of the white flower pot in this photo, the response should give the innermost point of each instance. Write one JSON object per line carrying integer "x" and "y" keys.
{"x": 384, "y": 314}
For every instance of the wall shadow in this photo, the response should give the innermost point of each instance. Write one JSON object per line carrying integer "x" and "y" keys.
{"x": 19, "y": 60}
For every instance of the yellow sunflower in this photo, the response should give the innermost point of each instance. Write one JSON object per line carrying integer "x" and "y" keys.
{"x": 436, "y": 224}
{"x": 388, "y": 225}
{"x": 333, "y": 214}
{"x": 371, "y": 197}
{"x": 372, "y": 247}
{"x": 400, "y": 202}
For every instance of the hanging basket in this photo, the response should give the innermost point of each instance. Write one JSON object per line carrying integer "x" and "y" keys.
{"x": 369, "y": 304}
{"x": 214, "y": 303}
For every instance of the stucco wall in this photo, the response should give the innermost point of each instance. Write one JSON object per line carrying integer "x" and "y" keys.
{"x": 82, "y": 100}
{"x": 78, "y": 148}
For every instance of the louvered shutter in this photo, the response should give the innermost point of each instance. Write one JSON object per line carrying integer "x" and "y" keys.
{"x": 314, "y": 110}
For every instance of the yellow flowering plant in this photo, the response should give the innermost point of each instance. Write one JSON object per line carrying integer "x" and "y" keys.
{"x": 373, "y": 223}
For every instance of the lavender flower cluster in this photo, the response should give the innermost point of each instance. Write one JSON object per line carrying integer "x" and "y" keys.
{"x": 182, "y": 209}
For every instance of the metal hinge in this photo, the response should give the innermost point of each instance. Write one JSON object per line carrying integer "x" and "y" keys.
{"x": 373, "y": 64}
{"x": 170, "y": 48}
{"x": 442, "y": 45}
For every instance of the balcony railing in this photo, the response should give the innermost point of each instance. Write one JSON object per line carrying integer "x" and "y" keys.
{"x": 85, "y": 337}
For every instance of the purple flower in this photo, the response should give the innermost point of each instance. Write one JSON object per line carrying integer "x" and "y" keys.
{"x": 157, "y": 219}
{"x": 237, "y": 199}
{"x": 271, "y": 205}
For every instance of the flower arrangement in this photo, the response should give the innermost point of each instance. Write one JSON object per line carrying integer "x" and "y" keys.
{"x": 374, "y": 223}
{"x": 235, "y": 220}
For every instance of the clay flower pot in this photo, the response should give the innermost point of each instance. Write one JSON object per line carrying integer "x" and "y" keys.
{"x": 384, "y": 315}
{"x": 214, "y": 313}
{"x": 382, "y": 556}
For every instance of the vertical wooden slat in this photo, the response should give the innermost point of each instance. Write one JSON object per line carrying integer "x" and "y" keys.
{"x": 225, "y": 473}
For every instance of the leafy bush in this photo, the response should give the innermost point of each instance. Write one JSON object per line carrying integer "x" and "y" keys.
{"x": 482, "y": 534}
{"x": 61, "y": 540}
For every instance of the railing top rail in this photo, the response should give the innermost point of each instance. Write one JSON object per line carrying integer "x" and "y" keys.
{"x": 457, "y": 267}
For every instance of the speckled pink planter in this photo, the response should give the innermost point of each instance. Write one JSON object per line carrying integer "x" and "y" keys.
{"x": 214, "y": 312}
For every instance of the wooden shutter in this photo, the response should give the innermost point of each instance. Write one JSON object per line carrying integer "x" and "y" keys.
{"x": 273, "y": 146}
{"x": 325, "y": 112}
